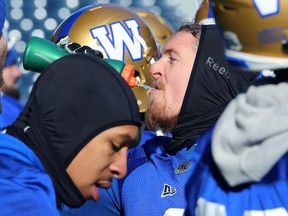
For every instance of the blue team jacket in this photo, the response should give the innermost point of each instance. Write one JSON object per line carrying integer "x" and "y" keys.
{"x": 208, "y": 194}
{"x": 154, "y": 184}
{"x": 25, "y": 187}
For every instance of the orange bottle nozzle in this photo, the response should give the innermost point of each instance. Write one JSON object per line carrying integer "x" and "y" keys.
{"x": 128, "y": 74}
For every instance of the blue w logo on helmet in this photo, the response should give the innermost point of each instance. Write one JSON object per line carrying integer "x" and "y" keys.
{"x": 114, "y": 45}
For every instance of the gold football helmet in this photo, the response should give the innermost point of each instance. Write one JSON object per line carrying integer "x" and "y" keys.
{"x": 119, "y": 33}
{"x": 159, "y": 26}
{"x": 256, "y": 32}
{"x": 204, "y": 15}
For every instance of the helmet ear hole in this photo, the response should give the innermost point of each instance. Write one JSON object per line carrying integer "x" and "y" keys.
{"x": 137, "y": 76}
{"x": 285, "y": 46}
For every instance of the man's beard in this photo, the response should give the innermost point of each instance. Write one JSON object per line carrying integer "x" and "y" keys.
{"x": 159, "y": 116}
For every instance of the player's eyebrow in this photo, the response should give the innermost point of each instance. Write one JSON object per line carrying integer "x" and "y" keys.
{"x": 169, "y": 51}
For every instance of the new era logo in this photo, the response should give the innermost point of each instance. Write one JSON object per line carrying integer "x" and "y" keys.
{"x": 168, "y": 190}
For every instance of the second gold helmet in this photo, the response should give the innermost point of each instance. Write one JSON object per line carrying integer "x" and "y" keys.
{"x": 255, "y": 32}
{"x": 160, "y": 27}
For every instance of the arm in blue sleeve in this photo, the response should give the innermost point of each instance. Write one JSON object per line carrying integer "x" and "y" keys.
{"x": 24, "y": 189}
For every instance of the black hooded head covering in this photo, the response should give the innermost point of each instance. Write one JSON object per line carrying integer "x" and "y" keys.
{"x": 73, "y": 100}
{"x": 212, "y": 85}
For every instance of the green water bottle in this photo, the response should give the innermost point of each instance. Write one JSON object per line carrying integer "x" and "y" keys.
{"x": 39, "y": 53}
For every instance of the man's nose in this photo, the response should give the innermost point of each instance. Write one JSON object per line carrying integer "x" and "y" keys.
{"x": 119, "y": 166}
{"x": 156, "y": 70}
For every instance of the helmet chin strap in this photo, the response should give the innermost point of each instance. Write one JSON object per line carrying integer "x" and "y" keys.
{"x": 73, "y": 48}
{"x": 63, "y": 41}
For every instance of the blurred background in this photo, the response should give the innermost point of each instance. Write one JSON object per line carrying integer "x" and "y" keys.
{"x": 41, "y": 17}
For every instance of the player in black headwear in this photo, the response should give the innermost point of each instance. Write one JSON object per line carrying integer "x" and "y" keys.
{"x": 72, "y": 137}
{"x": 194, "y": 83}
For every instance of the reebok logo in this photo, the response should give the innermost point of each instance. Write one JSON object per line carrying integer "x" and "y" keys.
{"x": 216, "y": 67}
{"x": 168, "y": 191}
